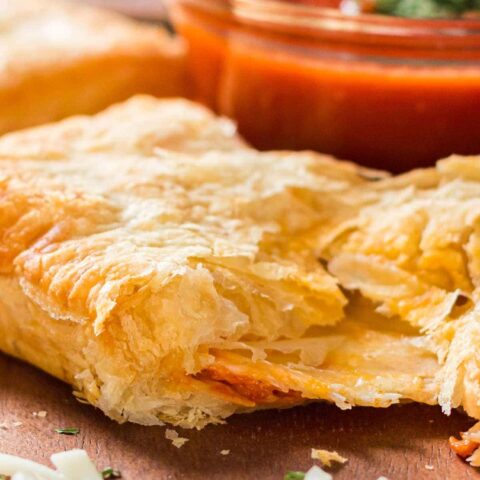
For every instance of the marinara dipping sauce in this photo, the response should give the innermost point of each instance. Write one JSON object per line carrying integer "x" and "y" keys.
{"x": 383, "y": 91}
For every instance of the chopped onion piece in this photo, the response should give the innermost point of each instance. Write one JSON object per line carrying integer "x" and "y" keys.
{"x": 12, "y": 465}
{"x": 316, "y": 473}
{"x": 71, "y": 465}
{"x": 75, "y": 465}
{"x": 23, "y": 476}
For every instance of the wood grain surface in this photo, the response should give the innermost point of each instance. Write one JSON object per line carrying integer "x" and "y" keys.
{"x": 397, "y": 442}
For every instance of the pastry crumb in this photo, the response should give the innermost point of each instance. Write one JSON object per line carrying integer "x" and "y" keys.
{"x": 170, "y": 434}
{"x": 176, "y": 440}
{"x": 326, "y": 458}
{"x": 225, "y": 452}
{"x": 40, "y": 414}
{"x": 468, "y": 446}
{"x": 429, "y": 467}
{"x": 179, "y": 442}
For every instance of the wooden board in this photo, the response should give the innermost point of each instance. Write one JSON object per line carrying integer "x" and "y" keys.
{"x": 397, "y": 442}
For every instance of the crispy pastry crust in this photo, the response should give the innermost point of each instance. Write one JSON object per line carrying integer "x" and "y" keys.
{"x": 59, "y": 58}
{"x": 170, "y": 273}
{"x": 123, "y": 259}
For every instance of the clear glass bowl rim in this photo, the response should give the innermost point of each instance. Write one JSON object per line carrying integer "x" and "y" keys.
{"x": 290, "y": 17}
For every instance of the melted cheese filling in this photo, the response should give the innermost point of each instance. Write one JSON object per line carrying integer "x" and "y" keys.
{"x": 365, "y": 360}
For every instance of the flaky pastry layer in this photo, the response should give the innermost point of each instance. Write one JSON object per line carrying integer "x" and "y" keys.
{"x": 171, "y": 273}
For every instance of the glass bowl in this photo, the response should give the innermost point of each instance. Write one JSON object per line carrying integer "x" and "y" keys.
{"x": 383, "y": 91}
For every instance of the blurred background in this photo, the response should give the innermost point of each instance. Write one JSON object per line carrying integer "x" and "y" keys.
{"x": 143, "y": 9}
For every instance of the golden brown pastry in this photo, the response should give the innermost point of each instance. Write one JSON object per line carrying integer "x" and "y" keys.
{"x": 170, "y": 273}
{"x": 415, "y": 254}
{"x": 59, "y": 58}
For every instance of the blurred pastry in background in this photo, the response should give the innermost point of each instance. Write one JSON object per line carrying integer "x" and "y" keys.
{"x": 59, "y": 58}
{"x": 151, "y": 10}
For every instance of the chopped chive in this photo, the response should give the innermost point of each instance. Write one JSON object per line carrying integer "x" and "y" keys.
{"x": 68, "y": 431}
{"x": 294, "y": 476}
{"x": 109, "y": 472}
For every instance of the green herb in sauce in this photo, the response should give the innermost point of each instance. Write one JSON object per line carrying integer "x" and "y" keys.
{"x": 427, "y": 8}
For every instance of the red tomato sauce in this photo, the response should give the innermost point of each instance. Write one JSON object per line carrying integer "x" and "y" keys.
{"x": 339, "y": 94}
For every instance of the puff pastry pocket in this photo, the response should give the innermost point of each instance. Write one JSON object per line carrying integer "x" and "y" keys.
{"x": 170, "y": 280}
{"x": 123, "y": 269}
{"x": 60, "y": 58}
